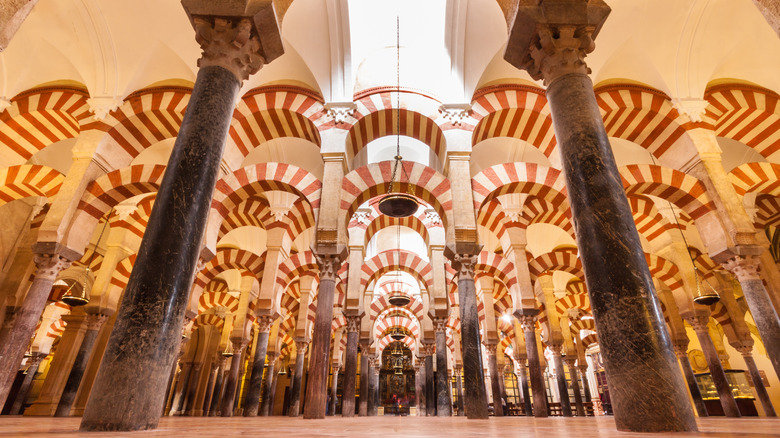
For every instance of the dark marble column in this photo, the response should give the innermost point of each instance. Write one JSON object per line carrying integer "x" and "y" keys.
{"x": 210, "y": 388}
{"x": 419, "y": 386}
{"x": 528, "y": 322}
{"x": 319, "y": 358}
{"x": 94, "y": 323}
{"x": 495, "y": 385}
{"x": 502, "y": 387}
{"x": 681, "y": 350}
{"x": 272, "y": 396}
{"x": 232, "y": 380}
{"x": 430, "y": 387}
{"x": 270, "y": 379}
{"x": 745, "y": 268}
{"x": 147, "y": 332}
{"x": 334, "y": 396}
{"x": 523, "y": 379}
{"x": 177, "y": 407}
{"x": 350, "y": 367}
{"x": 443, "y": 392}
{"x": 219, "y": 388}
{"x": 584, "y": 379}
{"x": 699, "y": 324}
{"x": 21, "y": 396}
{"x": 459, "y": 385}
{"x": 560, "y": 380}
{"x": 14, "y": 341}
{"x": 758, "y": 384}
{"x": 363, "y": 406}
{"x": 372, "y": 389}
{"x": 475, "y": 395}
{"x": 575, "y": 386}
{"x": 192, "y": 389}
{"x": 295, "y": 387}
{"x": 255, "y": 389}
{"x": 646, "y": 387}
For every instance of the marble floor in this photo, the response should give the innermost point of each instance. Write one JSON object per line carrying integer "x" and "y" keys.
{"x": 389, "y": 426}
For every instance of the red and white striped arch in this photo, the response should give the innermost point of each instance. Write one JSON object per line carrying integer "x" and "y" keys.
{"x": 122, "y": 272}
{"x": 146, "y": 117}
{"x": 40, "y": 117}
{"x": 748, "y": 114}
{"x": 114, "y": 187}
{"x": 768, "y": 213}
{"x": 583, "y": 324}
{"x": 514, "y": 111}
{"x": 649, "y": 222}
{"x": 763, "y": 178}
{"x": 578, "y": 301}
{"x": 56, "y": 329}
{"x": 664, "y": 270}
{"x": 590, "y": 340}
{"x": 273, "y": 112}
{"x": 558, "y": 260}
{"x": 28, "y": 180}
{"x": 137, "y": 221}
{"x": 641, "y": 115}
{"x": 381, "y": 344}
{"x": 576, "y": 286}
{"x": 531, "y": 178}
{"x": 491, "y": 216}
{"x": 498, "y": 267}
{"x": 684, "y": 191}
{"x": 253, "y": 212}
{"x": 377, "y": 116}
{"x": 382, "y": 221}
{"x": 208, "y": 319}
{"x": 209, "y": 300}
{"x": 297, "y": 265}
{"x": 388, "y": 261}
{"x": 225, "y": 259}
{"x": 370, "y": 181}
{"x": 381, "y": 304}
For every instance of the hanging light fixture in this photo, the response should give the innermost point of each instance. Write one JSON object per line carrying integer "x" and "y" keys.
{"x": 74, "y": 296}
{"x": 228, "y": 350}
{"x": 398, "y": 297}
{"x": 397, "y": 333}
{"x": 397, "y": 204}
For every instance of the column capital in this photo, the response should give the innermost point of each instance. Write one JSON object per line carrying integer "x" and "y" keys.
{"x": 264, "y": 323}
{"x": 550, "y": 38}
{"x": 96, "y": 320}
{"x": 329, "y": 265}
{"x": 527, "y": 322}
{"x": 744, "y": 267}
{"x": 353, "y": 323}
{"x": 570, "y": 361}
{"x": 427, "y": 349}
{"x": 680, "y": 348}
{"x": 237, "y": 35}
{"x": 698, "y": 323}
{"x": 440, "y": 325}
{"x": 491, "y": 349}
{"x": 49, "y": 266}
{"x": 464, "y": 264}
{"x": 301, "y": 346}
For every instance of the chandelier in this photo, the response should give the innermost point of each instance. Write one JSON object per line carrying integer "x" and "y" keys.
{"x": 397, "y": 204}
{"x": 75, "y": 297}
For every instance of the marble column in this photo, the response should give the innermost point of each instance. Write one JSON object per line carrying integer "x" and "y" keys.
{"x": 219, "y": 388}
{"x": 430, "y": 392}
{"x": 350, "y": 367}
{"x": 560, "y": 380}
{"x": 252, "y": 405}
{"x": 475, "y": 394}
{"x": 363, "y": 406}
{"x": 270, "y": 378}
{"x": 319, "y": 358}
{"x": 700, "y": 326}
{"x": 371, "y": 393}
{"x": 147, "y": 330}
{"x": 334, "y": 396}
{"x": 94, "y": 323}
{"x": 551, "y": 39}
{"x": 21, "y": 396}
{"x": 498, "y": 409}
{"x": 459, "y": 387}
{"x": 528, "y": 322}
{"x": 180, "y": 393}
{"x": 232, "y": 381}
{"x": 681, "y": 350}
{"x": 443, "y": 392}
{"x": 192, "y": 389}
{"x": 210, "y": 388}
{"x": 419, "y": 386}
{"x": 14, "y": 341}
{"x": 523, "y": 380}
{"x": 747, "y": 354}
{"x": 745, "y": 268}
{"x": 295, "y": 388}
{"x": 575, "y": 386}
{"x": 374, "y": 387}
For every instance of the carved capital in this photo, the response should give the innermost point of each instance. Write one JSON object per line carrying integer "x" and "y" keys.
{"x": 570, "y": 362}
{"x": 329, "y": 265}
{"x": 48, "y": 266}
{"x": 342, "y": 113}
{"x": 34, "y": 360}
{"x": 455, "y": 113}
{"x": 353, "y": 324}
{"x": 272, "y": 357}
{"x": 491, "y": 349}
{"x": 439, "y": 325}
{"x": 301, "y": 346}
{"x": 745, "y": 268}
{"x": 427, "y": 349}
{"x": 527, "y": 322}
{"x": 264, "y": 323}
{"x": 699, "y": 323}
{"x": 95, "y": 321}
{"x": 238, "y": 346}
{"x": 745, "y": 350}
{"x": 680, "y": 348}
{"x": 464, "y": 264}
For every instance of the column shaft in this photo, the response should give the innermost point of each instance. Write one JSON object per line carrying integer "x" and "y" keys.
{"x": 716, "y": 371}
{"x": 219, "y": 389}
{"x": 475, "y": 396}
{"x": 79, "y": 366}
{"x": 363, "y": 406}
{"x": 210, "y": 389}
{"x": 560, "y": 380}
{"x": 758, "y": 385}
{"x": 575, "y": 386}
{"x": 646, "y": 388}
{"x": 419, "y": 388}
{"x": 459, "y": 386}
{"x": 270, "y": 378}
{"x": 317, "y": 383}
{"x": 529, "y": 411}
{"x": 534, "y": 368}
{"x": 147, "y": 332}
{"x": 371, "y": 393}
{"x": 430, "y": 390}
{"x": 192, "y": 389}
{"x": 256, "y": 381}
{"x": 334, "y": 396}
{"x": 693, "y": 386}
{"x": 295, "y": 388}
{"x": 350, "y": 374}
{"x": 443, "y": 392}
{"x": 495, "y": 388}
{"x": 24, "y": 389}
{"x": 177, "y": 407}
{"x": 232, "y": 381}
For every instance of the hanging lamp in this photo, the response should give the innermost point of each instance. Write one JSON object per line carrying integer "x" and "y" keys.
{"x": 397, "y": 204}
{"x": 228, "y": 350}
{"x": 398, "y": 297}
{"x": 397, "y": 333}
{"x": 75, "y": 297}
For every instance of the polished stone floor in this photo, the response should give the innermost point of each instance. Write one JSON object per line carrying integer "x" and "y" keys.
{"x": 395, "y": 427}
